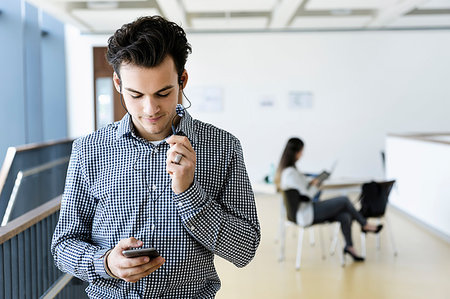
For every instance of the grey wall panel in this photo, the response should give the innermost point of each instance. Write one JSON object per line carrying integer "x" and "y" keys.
{"x": 12, "y": 95}
{"x": 53, "y": 79}
{"x": 33, "y": 92}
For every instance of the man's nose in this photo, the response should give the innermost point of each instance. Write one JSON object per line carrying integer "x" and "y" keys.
{"x": 151, "y": 107}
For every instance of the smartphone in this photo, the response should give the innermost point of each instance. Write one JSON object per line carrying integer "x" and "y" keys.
{"x": 150, "y": 252}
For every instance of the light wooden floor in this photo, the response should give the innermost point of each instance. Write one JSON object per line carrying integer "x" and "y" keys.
{"x": 421, "y": 269}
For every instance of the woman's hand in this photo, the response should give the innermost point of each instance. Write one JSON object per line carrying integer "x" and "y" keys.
{"x": 315, "y": 182}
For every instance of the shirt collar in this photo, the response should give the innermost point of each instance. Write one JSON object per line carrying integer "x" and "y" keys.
{"x": 124, "y": 127}
{"x": 185, "y": 125}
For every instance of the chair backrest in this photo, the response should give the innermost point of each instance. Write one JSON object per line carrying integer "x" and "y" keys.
{"x": 292, "y": 199}
{"x": 374, "y": 198}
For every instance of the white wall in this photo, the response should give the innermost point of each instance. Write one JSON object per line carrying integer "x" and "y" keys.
{"x": 365, "y": 84}
{"x": 422, "y": 173}
{"x": 80, "y": 80}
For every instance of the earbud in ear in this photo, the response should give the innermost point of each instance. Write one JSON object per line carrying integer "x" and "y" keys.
{"x": 180, "y": 82}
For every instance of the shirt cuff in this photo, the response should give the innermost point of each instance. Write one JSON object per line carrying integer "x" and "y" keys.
{"x": 99, "y": 263}
{"x": 193, "y": 198}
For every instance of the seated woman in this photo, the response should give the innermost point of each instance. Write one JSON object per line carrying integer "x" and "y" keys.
{"x": 334, "y": 209}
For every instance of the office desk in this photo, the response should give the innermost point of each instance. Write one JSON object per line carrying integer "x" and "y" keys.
{"x": 342, "y": 184}
{"x": 263, "y": 188}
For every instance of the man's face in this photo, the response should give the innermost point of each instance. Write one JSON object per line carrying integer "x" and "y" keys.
{"x": 151, "y": 96}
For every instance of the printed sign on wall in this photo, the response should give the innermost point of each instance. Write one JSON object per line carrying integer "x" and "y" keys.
{"x": 300, "y": 99}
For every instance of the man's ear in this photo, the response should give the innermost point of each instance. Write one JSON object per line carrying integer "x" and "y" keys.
{"x": 117, "y": 82}
{"x": 183, "y": 79}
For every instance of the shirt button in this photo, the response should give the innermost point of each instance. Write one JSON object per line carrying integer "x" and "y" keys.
{"x": 153, "y": 227}
{"x": 180, "y": 204}
{"x": 192, "y": 227}
{"x": 154, "y": 187}
{"x": 155, "y": 150}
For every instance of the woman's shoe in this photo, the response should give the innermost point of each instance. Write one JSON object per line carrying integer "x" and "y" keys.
{"x": 356, "y": 258}
{"x": 376, "y": 231}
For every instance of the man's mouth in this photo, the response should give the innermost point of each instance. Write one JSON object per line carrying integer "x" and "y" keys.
{"x": 152, "y": 119}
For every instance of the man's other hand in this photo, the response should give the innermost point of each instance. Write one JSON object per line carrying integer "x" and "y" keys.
{"x": 182, "y": 173}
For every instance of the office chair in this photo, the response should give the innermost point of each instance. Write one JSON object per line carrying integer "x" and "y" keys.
{"x": 374, "y": 198}
{"x": 311, "y": 233}
{"x": 290, "y": 202}
{"x": 383, "y": 161}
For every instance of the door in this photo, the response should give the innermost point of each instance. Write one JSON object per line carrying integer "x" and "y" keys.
{"x": 107, "y": 105}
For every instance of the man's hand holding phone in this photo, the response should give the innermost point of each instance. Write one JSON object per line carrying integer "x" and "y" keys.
{"x": 131, "y": 269}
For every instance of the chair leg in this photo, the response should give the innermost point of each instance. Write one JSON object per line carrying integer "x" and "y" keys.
{"x": 391, "y": 235}
{"x": 322, "y": 244}
{"x": 312, "y": 240}
{"x": 282, "y": 241}
{"x": 378, "y": 239}
{"x": 363, "y": 244}
{"x": 299, "y": 247}
{"x": 282, "y": 230}
{"x": 281, "y": 222}
{"x": 335, "y": 238}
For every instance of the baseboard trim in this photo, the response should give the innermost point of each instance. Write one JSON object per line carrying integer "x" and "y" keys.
{"x": 434, "y": 231}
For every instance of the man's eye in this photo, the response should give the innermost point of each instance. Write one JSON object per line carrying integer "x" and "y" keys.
{"x": 163, "y": 95}
{"x": 136, "y": 97}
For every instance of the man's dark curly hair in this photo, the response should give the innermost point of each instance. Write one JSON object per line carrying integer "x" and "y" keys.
{"x": 146, "y": 42}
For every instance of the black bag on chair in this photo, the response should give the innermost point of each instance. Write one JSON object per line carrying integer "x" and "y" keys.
{"x": 374, "y": 198}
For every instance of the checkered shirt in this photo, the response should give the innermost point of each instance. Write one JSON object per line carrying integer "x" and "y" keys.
{"x": 117, "y": 187}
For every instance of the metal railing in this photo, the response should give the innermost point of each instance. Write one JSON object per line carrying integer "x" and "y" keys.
{"x": 29, "y": 219}
{"x": 27, "y": 269}
{"x": 34, "y": 171}
{"x": 19, "y": 179}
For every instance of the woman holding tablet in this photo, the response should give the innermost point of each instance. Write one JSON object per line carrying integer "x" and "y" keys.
{"x": 340, "y": 209}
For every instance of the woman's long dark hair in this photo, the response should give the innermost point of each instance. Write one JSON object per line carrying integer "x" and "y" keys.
{"x": 293, "y": 146}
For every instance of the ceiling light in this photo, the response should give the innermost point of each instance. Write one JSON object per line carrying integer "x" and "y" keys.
{"x": 102, "y": 4}
{"x": 341, "y": 12}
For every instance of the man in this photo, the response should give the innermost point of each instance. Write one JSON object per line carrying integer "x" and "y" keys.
{"x": 135, "y": 183}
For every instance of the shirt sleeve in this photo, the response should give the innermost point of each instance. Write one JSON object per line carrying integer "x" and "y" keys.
{"x": 71, "y": 247}
{"x": 227, "y": 226}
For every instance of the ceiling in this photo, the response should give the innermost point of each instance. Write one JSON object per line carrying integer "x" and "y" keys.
{"x": 105, "y": 16}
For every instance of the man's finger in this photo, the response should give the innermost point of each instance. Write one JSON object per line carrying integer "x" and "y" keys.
{"x": 129, "y": 243}
{"x": 131, "y": 262}
{"x": 181, "y": 141}
{"x": 143, "y": 271}
{"x": 176, "y": 139}
{"x": 180, "y": 148}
